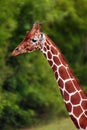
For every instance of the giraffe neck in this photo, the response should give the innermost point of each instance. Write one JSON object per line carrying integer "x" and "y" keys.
{"x": 73, "y": 95}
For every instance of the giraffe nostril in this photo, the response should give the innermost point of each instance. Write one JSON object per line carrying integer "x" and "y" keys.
{"x": 17, "y": 49}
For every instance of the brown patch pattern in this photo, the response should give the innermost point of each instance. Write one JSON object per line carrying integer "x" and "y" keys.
{"x": 63, "y": 73}
{"x": 75, "y": 99}
{"x": 69, "y": 86}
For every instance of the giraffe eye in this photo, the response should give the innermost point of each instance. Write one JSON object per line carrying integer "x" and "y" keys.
{"x": 34, "y": 40}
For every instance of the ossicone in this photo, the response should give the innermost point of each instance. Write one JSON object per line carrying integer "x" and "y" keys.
{"x": 37, "y": 26}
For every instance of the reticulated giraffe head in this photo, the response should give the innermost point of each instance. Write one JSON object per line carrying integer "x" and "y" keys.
{"x": 33, "y": 40}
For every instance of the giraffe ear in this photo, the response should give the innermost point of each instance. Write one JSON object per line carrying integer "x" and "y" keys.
{"x": 42, "y": 37}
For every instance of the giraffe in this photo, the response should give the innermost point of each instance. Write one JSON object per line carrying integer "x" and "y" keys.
{"x": 73, "y": 95}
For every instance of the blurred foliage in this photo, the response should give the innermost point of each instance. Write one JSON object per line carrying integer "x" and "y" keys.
{"x": 28, "y": 89}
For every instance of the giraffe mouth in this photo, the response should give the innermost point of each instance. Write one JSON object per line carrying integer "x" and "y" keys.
{"x": 15, "y": 53}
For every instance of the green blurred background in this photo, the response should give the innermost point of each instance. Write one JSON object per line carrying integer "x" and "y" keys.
{"x": 28, "y": 89}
